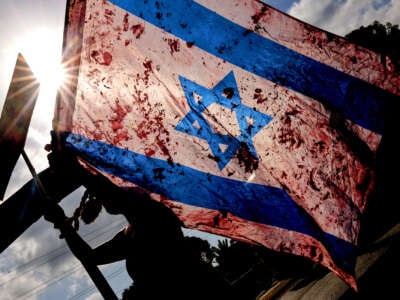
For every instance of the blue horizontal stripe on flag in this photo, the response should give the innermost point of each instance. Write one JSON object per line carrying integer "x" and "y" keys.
{"x": 357, "y": 100}
{"x": 253, "y": 202}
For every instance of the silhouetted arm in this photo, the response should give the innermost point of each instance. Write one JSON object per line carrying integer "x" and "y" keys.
{"x": 111, "y": 251}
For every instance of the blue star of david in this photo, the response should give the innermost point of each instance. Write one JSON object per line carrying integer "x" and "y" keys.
{"x": 226, "y": 94}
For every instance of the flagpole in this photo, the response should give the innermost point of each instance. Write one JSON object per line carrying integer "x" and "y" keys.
{"x": 71, "y": 236}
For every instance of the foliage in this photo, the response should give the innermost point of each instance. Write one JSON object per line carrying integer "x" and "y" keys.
{"x": 201, "y": 249}
{"x": 253, "y": 268}
{"x": 380, "y": 38}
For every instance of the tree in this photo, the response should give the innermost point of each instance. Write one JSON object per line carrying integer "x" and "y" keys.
{"x": 201, "y": 249}
{"x": 254, "y": 268}
{"x": 380, "y": 38}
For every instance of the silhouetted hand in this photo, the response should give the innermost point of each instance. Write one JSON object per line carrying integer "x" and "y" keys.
{"x": 55, "y": 214}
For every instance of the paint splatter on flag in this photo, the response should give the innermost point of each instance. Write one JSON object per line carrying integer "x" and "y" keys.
{"x": 246, "y": 122}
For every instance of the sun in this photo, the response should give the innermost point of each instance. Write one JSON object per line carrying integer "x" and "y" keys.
{"x": 41, "y": 48}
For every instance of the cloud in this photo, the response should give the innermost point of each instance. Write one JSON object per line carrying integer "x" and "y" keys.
{"x": 34, "y": 262}
{"x": 20, "y": 287}
{"x": 95, "y": 296}
{"x": 343, "y": 16}
{"x": 39, "y": 262}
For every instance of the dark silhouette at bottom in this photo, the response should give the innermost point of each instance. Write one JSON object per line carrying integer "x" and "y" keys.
{"x": 158, "y": 257}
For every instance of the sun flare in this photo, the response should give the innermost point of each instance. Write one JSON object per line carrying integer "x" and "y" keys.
{"x": 43, "y": 54}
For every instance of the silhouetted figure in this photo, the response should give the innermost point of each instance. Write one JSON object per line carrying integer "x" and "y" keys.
{"x": 160, "y": 262}
{"x": 153, "y": 245}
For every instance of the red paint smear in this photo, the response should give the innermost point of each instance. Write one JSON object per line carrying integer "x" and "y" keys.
{"x": 246, "y": 159}
{"x": 149, "y": 152}
{"x": 152, "y": 129}
{"x": 109, "y": 12}
{"x": 147, "y": 65}
{"x": 104, "y": 58}
{"x": 107, "y": 57}
{"x": 163, "y": 148}
{"x": 141, "y": 132}
{"x": 126, "y": 22}
{"x": 290, "y": 138}
{"x": 117, "y": 123}
{"x": 288, "y": 135}
{"x": 173, "y": 45}
{"x": 149, "y": 68}
{"x": 94, "y": 54}
{"x": 311, "y": 181}
{"x": 137, "y": 29}
{"x": 259, "y": 96}
{"x": 123, "y": 135}
{"x": 258, "y": 15}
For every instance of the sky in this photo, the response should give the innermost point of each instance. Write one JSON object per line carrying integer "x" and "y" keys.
{"x": 38, "y": 265}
